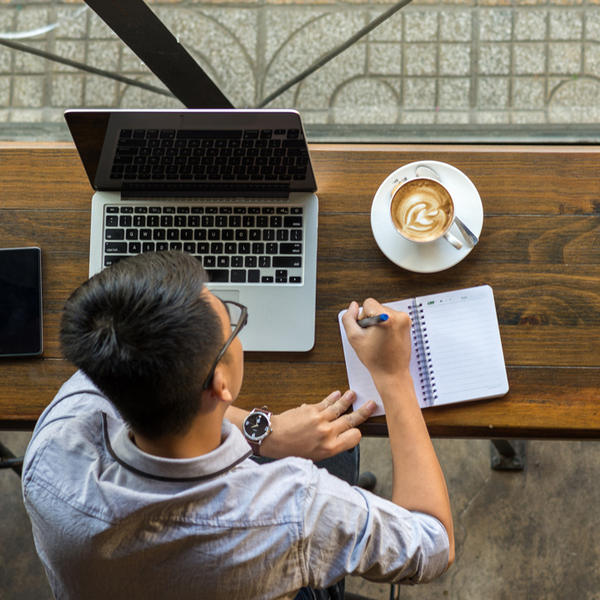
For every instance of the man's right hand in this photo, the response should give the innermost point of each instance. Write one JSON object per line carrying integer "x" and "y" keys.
{"x": 384, "y": 348}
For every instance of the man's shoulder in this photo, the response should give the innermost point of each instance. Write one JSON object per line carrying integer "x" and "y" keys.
{"x": 78, "y": 397}
{"x": 70, "y": 427}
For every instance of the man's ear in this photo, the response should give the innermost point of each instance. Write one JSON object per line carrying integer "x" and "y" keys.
{"x": 219, "y": 387}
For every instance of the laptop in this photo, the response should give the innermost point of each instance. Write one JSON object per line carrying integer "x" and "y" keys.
{"x": 234, "y": 188}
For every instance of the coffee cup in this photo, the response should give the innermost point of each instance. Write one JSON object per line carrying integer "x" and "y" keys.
{"x": 422, "y": 211}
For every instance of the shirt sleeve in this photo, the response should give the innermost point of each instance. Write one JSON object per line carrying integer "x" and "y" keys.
{"x": 349, "y": 531}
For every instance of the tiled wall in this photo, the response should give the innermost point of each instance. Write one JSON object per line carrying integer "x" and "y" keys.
{"x": 448, "y": 63}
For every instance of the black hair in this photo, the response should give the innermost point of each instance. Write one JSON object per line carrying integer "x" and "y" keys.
{"x": 142, "y": 332}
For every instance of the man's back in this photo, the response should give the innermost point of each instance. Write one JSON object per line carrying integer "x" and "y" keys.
{"x": 111, "y": 521}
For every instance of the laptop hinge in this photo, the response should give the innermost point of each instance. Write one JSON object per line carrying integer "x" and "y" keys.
{"x": 183, "y": 191}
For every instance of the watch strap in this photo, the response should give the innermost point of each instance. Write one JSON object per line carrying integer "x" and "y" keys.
{"x": 255, "y": 447}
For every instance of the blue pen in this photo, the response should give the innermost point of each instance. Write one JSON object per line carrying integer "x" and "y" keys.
{"x": 373, "y": 320}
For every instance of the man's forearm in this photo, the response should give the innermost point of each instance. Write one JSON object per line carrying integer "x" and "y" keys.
{"x": 418, "y": 481}
{"x": 236, "y": 415}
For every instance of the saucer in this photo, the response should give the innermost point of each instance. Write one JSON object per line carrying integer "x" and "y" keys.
{"x": 434, "y": 256}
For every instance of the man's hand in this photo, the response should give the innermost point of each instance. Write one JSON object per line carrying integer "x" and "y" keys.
{"x": 384, "y": 348}
{"x": 313, "y": 431}
{"x": 317, "y": 431}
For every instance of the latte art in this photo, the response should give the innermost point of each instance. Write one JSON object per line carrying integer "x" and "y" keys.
{"x": 422, "y": 210}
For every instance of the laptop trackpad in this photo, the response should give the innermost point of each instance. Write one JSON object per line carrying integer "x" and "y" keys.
{"x": 232, "y": 295}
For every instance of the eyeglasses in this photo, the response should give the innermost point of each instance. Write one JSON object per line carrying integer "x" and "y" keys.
{"x": 238, "y": 315}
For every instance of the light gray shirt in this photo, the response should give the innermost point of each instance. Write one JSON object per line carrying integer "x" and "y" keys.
{"x": 110, "y": 521}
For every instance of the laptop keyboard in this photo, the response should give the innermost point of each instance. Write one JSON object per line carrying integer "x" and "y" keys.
{"x": 159, "y": 155}
{"x": 236, "y": 244}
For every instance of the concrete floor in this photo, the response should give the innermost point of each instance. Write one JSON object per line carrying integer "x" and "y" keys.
{"x": 533, "y": 534}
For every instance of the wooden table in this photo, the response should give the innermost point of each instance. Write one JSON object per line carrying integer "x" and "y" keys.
{"x": 539, "y": 250}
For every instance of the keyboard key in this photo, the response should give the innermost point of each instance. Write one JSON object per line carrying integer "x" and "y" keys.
{"x": 287, "y": 262}
{"x": 115, "y": 247}
{"x": 111, "y": 260}
{"x": 254, "y": 276}
{"x": 295, "y": 280}
{"x": 294, "y": 221}
{"x": 114, "y": 234}
{"x": 218, "y": 275}
{"x": 294, "y": 248}
{"x": 238, "y": 276}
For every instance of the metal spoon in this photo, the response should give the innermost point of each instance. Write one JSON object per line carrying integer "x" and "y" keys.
{"x": 470, "y": 237}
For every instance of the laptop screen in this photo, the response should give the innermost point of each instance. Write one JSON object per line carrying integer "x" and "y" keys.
{"x": 194, "y": 152}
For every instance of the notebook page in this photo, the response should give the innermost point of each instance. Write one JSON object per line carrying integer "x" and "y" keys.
{"x": 464, "y": 345}
{"x": 359, "y": 378}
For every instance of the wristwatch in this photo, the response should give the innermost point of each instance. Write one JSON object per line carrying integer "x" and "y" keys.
{"x": 257, "y": 426}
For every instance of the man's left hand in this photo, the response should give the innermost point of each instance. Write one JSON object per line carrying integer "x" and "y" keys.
{"x": 317, "y": 431}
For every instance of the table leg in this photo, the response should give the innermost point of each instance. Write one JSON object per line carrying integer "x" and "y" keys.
{"x": 507, "y": 456}
{"x": 9, "y": 461}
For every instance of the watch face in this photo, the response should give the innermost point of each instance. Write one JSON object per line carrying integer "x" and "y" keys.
{"x": 256, "y": 426}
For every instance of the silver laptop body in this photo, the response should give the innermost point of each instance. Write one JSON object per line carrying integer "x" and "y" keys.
{"x": 235, "y": 188}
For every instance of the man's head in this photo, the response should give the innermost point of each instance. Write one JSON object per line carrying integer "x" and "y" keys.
{"x": 147, "y": 332}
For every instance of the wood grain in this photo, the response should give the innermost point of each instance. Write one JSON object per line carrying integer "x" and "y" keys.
{"x": 539, "y": 250}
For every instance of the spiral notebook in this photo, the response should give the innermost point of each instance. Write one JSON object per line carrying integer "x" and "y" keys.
{"x": 457, "y": 351}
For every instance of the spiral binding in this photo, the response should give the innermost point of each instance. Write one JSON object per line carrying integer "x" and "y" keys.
{"x": 423, "y": 354}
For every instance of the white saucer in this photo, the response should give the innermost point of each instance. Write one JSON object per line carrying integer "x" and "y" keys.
{"x": 434, "y": 256}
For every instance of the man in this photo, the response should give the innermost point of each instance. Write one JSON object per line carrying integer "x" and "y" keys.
{"x": 139, "y": 486}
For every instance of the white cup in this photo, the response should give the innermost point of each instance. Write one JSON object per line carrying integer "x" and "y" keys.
{"x": 422, "y": 211}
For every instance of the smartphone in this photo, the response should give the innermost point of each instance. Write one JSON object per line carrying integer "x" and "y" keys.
{"x": 20, "y": 301}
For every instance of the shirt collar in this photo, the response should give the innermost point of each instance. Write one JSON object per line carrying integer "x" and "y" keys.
{"x": 233, "y": 450}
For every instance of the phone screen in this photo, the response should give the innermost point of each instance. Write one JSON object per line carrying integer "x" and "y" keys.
{"x": 20, "y": 301}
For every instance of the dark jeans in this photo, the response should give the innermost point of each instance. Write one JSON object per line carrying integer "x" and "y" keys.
{"x": 335, "y": 592}
{"x": 345, "y": 466}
